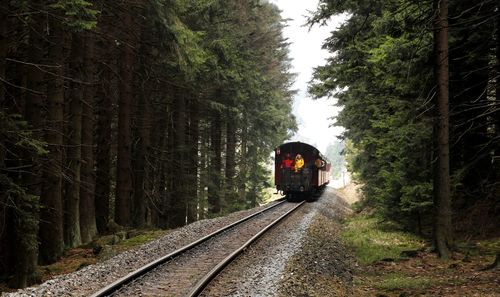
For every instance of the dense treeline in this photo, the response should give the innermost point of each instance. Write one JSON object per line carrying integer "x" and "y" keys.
{"x": 140, "y": 113}
{"x": 383, "y": 73}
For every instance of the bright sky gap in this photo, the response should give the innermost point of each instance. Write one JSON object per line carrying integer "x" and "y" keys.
{"x": 313, "y": 116}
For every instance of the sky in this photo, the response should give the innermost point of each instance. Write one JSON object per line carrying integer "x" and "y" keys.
{"x": 305, "y": 50}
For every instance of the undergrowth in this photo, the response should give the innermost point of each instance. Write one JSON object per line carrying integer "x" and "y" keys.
{"x": 398, "y": 281}
{"x": 386, "y": 271}
{"x": 373, "y": 241}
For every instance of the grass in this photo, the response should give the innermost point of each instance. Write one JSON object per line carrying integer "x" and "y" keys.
{"x": 373, "y": 241}
{"x": 422, "y": 275}
{"x": 398, "y": 281}
{"x": 73, "y": 260}
{"x": 142, "y": 238}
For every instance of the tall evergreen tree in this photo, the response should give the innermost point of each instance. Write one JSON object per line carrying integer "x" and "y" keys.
{"x": 88, "y": 227}
{"x": 72, "y": 235}
{"x": 443, "y": 232}
{"x": 51, "y": 214}
{"x": 123, "y": 208}
{"x": 105, "y": 98}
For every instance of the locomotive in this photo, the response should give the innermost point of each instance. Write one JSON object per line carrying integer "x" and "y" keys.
{"x": 296, "y": 181}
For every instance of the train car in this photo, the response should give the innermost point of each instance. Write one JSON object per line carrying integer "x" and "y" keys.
{"x": 305, "y": 182}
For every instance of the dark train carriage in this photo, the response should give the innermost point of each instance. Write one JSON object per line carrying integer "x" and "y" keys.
{"x": 307, "y": 181}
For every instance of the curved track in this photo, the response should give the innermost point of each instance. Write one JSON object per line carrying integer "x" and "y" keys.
{"x": 188, "y": 270}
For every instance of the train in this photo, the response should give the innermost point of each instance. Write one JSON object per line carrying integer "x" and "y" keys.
{"x": 300, "y": 179}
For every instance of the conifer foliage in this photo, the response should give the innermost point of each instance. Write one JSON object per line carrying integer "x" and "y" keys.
{"x": 140, "y": 113}
{"x": 395, "y": 113}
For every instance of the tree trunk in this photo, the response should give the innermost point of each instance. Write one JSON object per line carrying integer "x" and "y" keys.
{"x": 27, "y": 225}
{"x": 105, "y": 97}
{"x": 103, "y": 152}
{"x": 177, "y": 211}
{"x": 162, "y": 197}
{"x": 214, "y": 191}
{"x": 88, "y": 226}
{"x": 51, "y": 214}
{"x": 253, "y": 191}
{"x": 123, "y": 199}
{"x": 72, "y": 234}
{"x": 243, "y": 165}
{"x": 495, "y": 264}
{"x": 4, "y": 43}
{"x": 194, "y": 135}
{"x": 497, "y": 90}
{"x": 204, "y": 172}
{"x": 443, "y": 231}
{"x": 231, "y": 195}
{"x": 157, "y": 163}
{"x": 166, "y": 177}
{"x": 141, "y": 170}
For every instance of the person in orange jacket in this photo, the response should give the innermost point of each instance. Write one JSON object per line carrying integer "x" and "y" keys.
{"x": 287, "y": 162}
{"x": 286, "y": 168}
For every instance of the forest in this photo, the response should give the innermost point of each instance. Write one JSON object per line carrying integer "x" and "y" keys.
{"x": 159, "y": 113}
{"x": 420, "y": 90}
{"x": 152, "y": 113}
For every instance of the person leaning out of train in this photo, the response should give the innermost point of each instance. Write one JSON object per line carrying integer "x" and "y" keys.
{"x": 287, "y": 162}
{"x": 286, "y": 168}
{"x": 299, "y": 162}
{"x": 319, "y": 163}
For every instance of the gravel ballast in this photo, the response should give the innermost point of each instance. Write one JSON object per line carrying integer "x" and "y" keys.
{"x": 323, "y": 266}
{"x": 258, "y": 271}
{"x": 92, "y": 278}
{"x": 300, "y": 257}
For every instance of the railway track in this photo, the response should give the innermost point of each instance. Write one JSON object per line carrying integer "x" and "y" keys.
{"x": 188, "y": 270}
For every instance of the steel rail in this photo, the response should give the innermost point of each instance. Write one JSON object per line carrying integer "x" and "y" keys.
{"x": 115, "y": 286}
{"x": 200, "y": 286}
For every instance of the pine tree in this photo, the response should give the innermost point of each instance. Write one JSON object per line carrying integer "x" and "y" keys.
{"x": 442, "y": 205}
{"x": 88, "y": 228}
{"x": 72, "y": 235}
{"x": 105, "y": 115}
{"x": 51, "y": 214}
{"x": 123, "y": 200}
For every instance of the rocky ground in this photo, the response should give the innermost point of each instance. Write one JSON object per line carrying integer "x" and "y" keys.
{"x": 91, "y": 278}
{"x": 323, "y": 266}
{"x": 305, "y": 256}
{"x": 302, "y": 257}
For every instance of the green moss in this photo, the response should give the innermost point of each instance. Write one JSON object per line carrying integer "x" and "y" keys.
{"x": 490, "y": 246}
{"x": 373, "y": 241}
{"x": 56, "y": 268}
{"x": 142, "y": 238}
{"x": 397, "y": 281}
